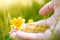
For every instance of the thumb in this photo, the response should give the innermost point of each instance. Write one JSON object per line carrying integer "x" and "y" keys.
{"x": 47, "y": 8}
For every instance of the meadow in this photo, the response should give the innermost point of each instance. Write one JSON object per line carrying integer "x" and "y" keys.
{"x": 26, "y": 9}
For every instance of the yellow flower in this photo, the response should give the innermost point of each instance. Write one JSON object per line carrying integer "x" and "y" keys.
{"x": 30, "y": 20}
{"x": 17, "y": 22}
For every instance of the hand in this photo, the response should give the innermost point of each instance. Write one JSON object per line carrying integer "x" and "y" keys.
{"x": 31, "y": 36}
{"x": 47, "y": 8}
{"x": 38, "y": 36}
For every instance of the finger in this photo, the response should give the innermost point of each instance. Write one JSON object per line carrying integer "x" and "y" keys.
{"x": 14, "y": 30}
{"x": 13, "y": 35}
{"x": 33, "y": 36}
{"x": 41, "y": 22}
{"x": 29, "y": 36}
{"x": 47, "y": 8}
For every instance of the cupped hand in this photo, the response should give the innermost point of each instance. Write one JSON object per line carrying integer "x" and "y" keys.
{"x": 37, "y": 36}
{"x": 32, "y": 36}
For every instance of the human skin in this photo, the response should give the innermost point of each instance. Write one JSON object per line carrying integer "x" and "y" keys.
{"x": 46, "y": 9}
{"x": 40, "y": 36}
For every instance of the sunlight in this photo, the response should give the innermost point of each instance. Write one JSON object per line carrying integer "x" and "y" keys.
{"x": 26, "y": 2}
{"x": 40, "y": 1}
{"x": 7, "y": 3}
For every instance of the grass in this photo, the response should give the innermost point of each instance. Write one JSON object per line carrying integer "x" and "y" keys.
{"x": 14, "y": 11}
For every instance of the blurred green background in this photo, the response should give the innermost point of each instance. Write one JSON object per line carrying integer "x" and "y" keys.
{"x": 28, "y": 9}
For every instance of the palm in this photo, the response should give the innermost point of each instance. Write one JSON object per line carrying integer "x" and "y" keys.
{"x": 37, "y": 36}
